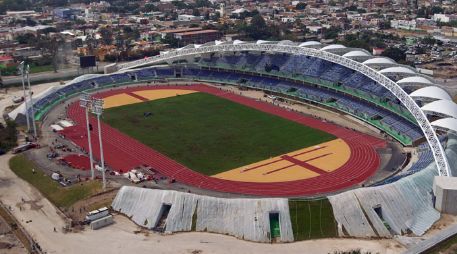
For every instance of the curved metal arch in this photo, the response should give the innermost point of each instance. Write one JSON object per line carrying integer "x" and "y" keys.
{"x": 437, "y": 150}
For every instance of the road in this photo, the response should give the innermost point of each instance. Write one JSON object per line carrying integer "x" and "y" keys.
{"x": 63, "y": 74}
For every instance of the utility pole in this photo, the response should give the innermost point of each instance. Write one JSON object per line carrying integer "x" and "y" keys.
{"x": 27, "y": 71}
{"x": 86, "y": 103}
{"x": 21, "y": 71}
{"x": 97, "y": 109}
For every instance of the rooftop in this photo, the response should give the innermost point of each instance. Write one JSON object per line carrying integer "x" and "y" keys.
{"x": 199, "y": 32}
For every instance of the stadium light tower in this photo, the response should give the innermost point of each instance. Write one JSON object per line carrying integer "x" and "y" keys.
{"x": 27, "y": 72}
{"x": 21, "y": 67}
{"x": 97, "y": 109}
{"x": 86, "y": 103}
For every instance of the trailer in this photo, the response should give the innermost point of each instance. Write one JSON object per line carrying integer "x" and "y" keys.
{"x": 24, "y": 147}
{"x": 97, "y": 214}
{"x": 102, "y": 222}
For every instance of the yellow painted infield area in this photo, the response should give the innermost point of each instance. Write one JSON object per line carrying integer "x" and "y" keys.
{"x": 162, "y": 93}
{"x": 119, "y": 100}
{"x": 126, "y": 98}
{"x": 298, "y": 165}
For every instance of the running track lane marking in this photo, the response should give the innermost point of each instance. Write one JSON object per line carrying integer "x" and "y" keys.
{"x": 278, "y": 160}
{"x": 137, "y": 96}
{"x": 302, "y": 164}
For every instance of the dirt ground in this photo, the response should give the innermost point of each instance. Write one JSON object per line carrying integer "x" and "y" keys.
{"x": 78, "y": 211}
{"x": 9, "y": 243}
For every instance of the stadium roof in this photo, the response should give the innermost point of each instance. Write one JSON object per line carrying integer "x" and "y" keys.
{"x": 432, "y": 92}
{"x": 443, "y": 107}
{"x": 286, "y": 42}
{"x": 415, "y": 79}
{"x": 309, "y": 43}
{"x": 379, "y": 60}
{"x": 356, "y": 53}
{"x": 446, "y": 123}
{"x": 333, "y": 46}
{"x": 397, "y": 69}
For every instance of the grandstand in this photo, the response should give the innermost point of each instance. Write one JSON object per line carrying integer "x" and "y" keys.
{"x": 398, "y": 102}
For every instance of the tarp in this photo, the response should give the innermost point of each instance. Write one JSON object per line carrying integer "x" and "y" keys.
{"x": 56, "y": 127}
{"x": 65, "y": 123}
{"x": 406, "y": 205}
{"x": 244, "y": 218}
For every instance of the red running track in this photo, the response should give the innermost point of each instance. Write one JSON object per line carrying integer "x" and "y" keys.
{"x": 123, "y": 153}
{"x": 77, "y": 161}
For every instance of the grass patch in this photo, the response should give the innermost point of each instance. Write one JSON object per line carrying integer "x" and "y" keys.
{"x": 447, "y": 246}
{"x": 312, "y": 219}
{"x": 42, "y": 68}
{"x": 62, "y": 197}
{"x": 210, "y": 134}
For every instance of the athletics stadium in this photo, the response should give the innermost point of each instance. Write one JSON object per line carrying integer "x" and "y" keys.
{"x": 272, "y": 141}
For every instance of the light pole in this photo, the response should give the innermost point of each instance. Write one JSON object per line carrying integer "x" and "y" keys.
{"x": 97, "y": 109}
{"x": 21, "y": 70}
{"x": 86, "y": 103}
{"x": 27, "y": 71}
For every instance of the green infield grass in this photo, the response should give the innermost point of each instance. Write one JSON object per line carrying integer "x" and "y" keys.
{"x": 209, "y": 134}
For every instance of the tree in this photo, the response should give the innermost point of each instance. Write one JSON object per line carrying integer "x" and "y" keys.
{"x": 331, "y": 32}
{"x": 30, "y": 22}
{"x": 300, "y": 6}
{"x": 171, "y": 40}
{"x": 352, "y": 8}
{"x": 196, "y": 12}
{"x": 180, "y": 5}
{"x": 149, "y": 8}
{"x": 27, "y": 38}
{"x": 14, "y": 5}
{"x": 216, "y": 16}
{"x": 49, "y": 30}
{"x": 51, "y": 48}
{"x": 422, "y": 12}
{"x": 437, "y": 9}
{"x": 203, "y": 3}
{"x": 395, "y": 53}
{"x": 107, "y": 35}
{"x": 258, "y": 28}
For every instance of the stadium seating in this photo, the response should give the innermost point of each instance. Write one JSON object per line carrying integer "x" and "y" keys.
{"x": 425, "y": 158}
{"x": 320, "y": 68}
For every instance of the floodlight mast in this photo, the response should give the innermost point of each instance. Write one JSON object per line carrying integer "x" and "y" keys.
{"x": 85, "y": 102}
{"x": 97, "y": 109}
{"x": 27, "y": 72}
{"x": 21, "y": 70}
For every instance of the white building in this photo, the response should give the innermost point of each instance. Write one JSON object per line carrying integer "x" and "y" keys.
{"x": 403, "y": 24}
{"x": 186, "y": 17}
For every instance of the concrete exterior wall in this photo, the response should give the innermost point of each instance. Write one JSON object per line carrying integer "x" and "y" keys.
{"x": 445, "y": 191}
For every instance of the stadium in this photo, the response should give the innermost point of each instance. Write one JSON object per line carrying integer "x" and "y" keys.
{"x": 278, "y": 141}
